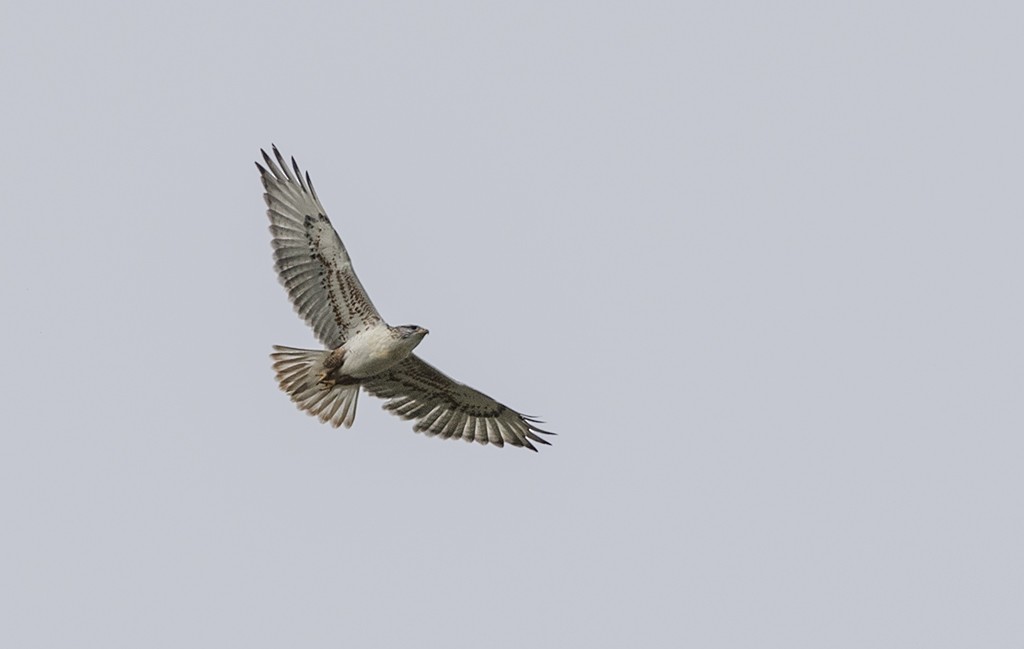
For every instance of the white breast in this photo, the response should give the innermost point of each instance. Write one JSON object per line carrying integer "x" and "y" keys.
{"x": 373, "y": 351}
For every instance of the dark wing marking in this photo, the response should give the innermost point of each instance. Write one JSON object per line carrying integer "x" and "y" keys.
{"x": 442, "y": 406}
{"x": 310, "y": 259}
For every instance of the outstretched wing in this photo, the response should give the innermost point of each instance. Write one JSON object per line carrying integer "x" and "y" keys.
{"x": 311, "y": 261}
{"x": 442, "y": 406}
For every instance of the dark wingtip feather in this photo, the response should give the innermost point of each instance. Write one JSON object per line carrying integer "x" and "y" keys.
{"x": 298, "y": 173}
{"x": 309, "y": 183}
{"x": 269, "y": 163}
{"x": 283, "y": 165}
{"x": 539, "y": 440}
{"x": 532, "y": 423}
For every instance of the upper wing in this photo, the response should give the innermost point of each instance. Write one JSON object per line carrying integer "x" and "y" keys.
{"x": 443, "y": 406}
{"x": 311, "y": 261}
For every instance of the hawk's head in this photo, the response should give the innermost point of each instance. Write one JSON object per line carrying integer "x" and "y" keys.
{"x": 411, "y": 335}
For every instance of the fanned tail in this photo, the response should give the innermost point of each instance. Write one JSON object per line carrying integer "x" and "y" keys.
{"x": 298, "y": 373}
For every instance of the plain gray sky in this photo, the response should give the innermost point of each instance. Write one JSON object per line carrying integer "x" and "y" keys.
{"x": 759, "y": 264}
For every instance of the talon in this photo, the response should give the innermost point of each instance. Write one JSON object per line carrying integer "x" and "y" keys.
{"x": 325, "y": 382}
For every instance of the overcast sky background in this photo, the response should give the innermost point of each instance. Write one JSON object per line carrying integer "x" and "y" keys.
{"x": 758, "y": 264}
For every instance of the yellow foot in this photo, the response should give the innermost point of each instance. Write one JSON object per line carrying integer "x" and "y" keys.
{"x": 325, "y": 382}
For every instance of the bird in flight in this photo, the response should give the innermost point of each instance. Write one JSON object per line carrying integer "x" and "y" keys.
{"x": 362, "y": 351}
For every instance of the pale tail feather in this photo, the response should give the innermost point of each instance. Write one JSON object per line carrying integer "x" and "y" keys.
{"x": 298, "y": 374}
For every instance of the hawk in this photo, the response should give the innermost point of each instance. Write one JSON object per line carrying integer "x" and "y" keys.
{"x": 362, "y": 350}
